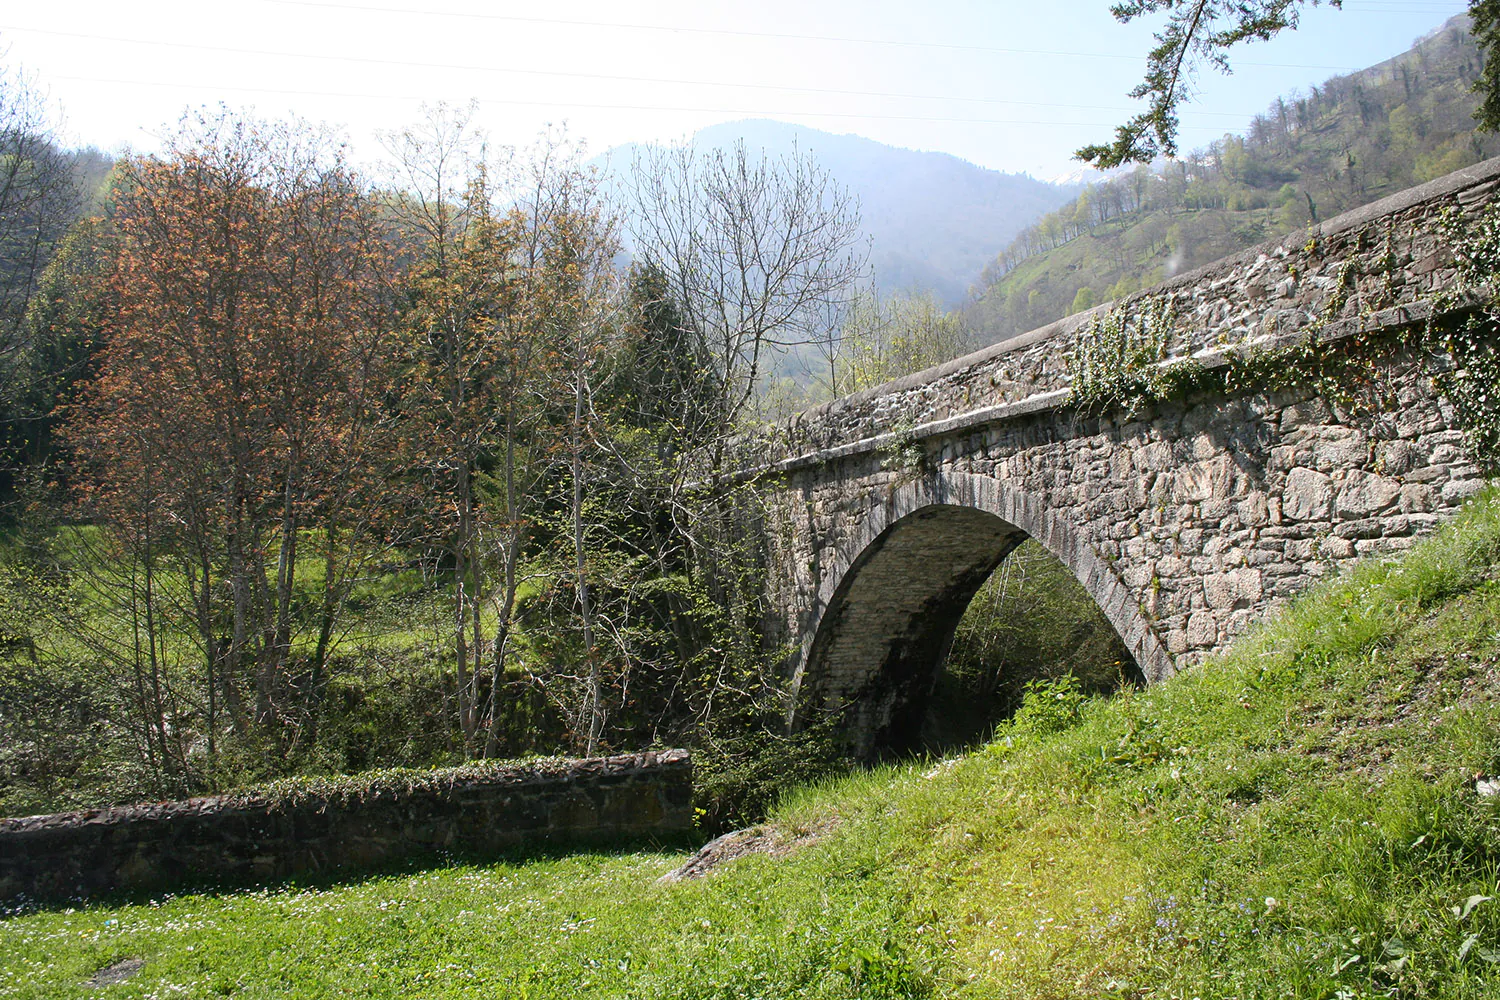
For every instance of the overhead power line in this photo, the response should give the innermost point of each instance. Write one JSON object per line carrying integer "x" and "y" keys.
{"x": 591, "y": 106}
{"x": 570, "y": 74}
{"x": 782, "y": 36}
{"x": 1406, "y": 7}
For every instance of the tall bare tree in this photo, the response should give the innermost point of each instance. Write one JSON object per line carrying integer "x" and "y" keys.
{"x": 581, "y": 311}
{"x": 507, "y": 301}
{"x": 754, "y": 250}
{"x": 749, "y": 255}
{"x": 470, "y": 356}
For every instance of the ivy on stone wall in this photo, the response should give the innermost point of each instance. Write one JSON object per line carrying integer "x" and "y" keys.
{"x": 1117, "y": 361}
{"x": 906, "y": 454}
{"x": 1473, "y": 386}
{"x": 1120, "y": 360}
{"x": 1473, "y": 383}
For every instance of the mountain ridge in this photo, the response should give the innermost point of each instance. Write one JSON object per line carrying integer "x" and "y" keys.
{"x": 934, "y": 219}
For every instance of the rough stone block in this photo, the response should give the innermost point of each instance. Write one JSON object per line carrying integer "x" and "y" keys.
{"x": 1202, "y": 629}
{"x": 1340, "y": 448}
{"x": 1308, "y": 495}
{"x": 1335, "y": 547}
{"x": 1395, "y": 458}
{"x": 1254, "y": 509}
{"x": 1415, "y": 498}
{"x": 1368, "y": 527}
{"x": 1459, "y": 490}
{"x": 1232, "y": 589}
{"x": 1364, "y": 493}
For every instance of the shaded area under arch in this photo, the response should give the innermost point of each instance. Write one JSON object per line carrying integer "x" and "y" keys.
{"x": 1031, "y": 621}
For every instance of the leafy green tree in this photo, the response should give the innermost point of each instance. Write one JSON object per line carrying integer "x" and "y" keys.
{"x": 498, "y": 341}
{"x": 663, "y": 380}
{"x": 38, "y": 200}
{"x": 63, "y": 332}
{"x": 42, "y": 192}
{"x": 1484, "y": 17}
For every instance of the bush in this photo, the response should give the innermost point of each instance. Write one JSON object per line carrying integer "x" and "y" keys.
{"x": 743, "y": 766}
{"x": 1050, "y": 706}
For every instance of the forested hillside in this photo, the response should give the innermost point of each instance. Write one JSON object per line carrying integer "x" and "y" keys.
{"x": 1348, "y": 142}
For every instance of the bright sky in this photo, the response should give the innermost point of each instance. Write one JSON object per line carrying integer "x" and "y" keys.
{"x": 1010, "y": 84}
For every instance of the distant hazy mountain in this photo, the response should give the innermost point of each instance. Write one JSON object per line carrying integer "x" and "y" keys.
{"x": 935, "y": 220}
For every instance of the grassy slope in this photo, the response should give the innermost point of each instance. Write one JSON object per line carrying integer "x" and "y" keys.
{"x": 1297, "y": 818}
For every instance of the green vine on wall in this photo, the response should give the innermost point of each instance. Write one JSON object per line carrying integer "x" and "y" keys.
{"x": 1473, "y": 383}
{"x": 906, "y": 455}
{"x": 1333, "y": 369}
{"x": 1117, "y": 360}
{"x": 1120, "y": 361}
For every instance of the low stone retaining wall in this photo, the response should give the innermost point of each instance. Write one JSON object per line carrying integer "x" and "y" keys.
{"x": 345, "y": 824}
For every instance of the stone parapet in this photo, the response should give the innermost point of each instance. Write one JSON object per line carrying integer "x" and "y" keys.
{"x": 1374, "y": 268}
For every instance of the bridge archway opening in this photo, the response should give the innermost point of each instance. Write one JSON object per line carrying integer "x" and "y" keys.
{"x": 1030, "y": 621}
{"x": 881, "y": 650}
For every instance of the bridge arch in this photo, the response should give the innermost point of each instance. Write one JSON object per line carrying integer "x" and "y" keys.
{"x": 886, "y": 608}
{"x": 1210, "y": 507}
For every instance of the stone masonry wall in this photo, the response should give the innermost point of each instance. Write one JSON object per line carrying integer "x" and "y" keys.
{"x": 249, "y": 838}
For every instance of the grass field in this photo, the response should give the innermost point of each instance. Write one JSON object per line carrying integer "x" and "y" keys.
{"x": 1298, "y": 818}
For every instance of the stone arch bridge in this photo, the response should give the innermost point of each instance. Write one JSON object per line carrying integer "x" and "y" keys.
{"x": 1185, "y": 519}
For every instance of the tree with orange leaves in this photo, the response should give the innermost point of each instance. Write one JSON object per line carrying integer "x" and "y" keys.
{"x": 236, "y": 420}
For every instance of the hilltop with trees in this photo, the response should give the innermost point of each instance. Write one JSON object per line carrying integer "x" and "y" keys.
{"x": 1312, "y": 155}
